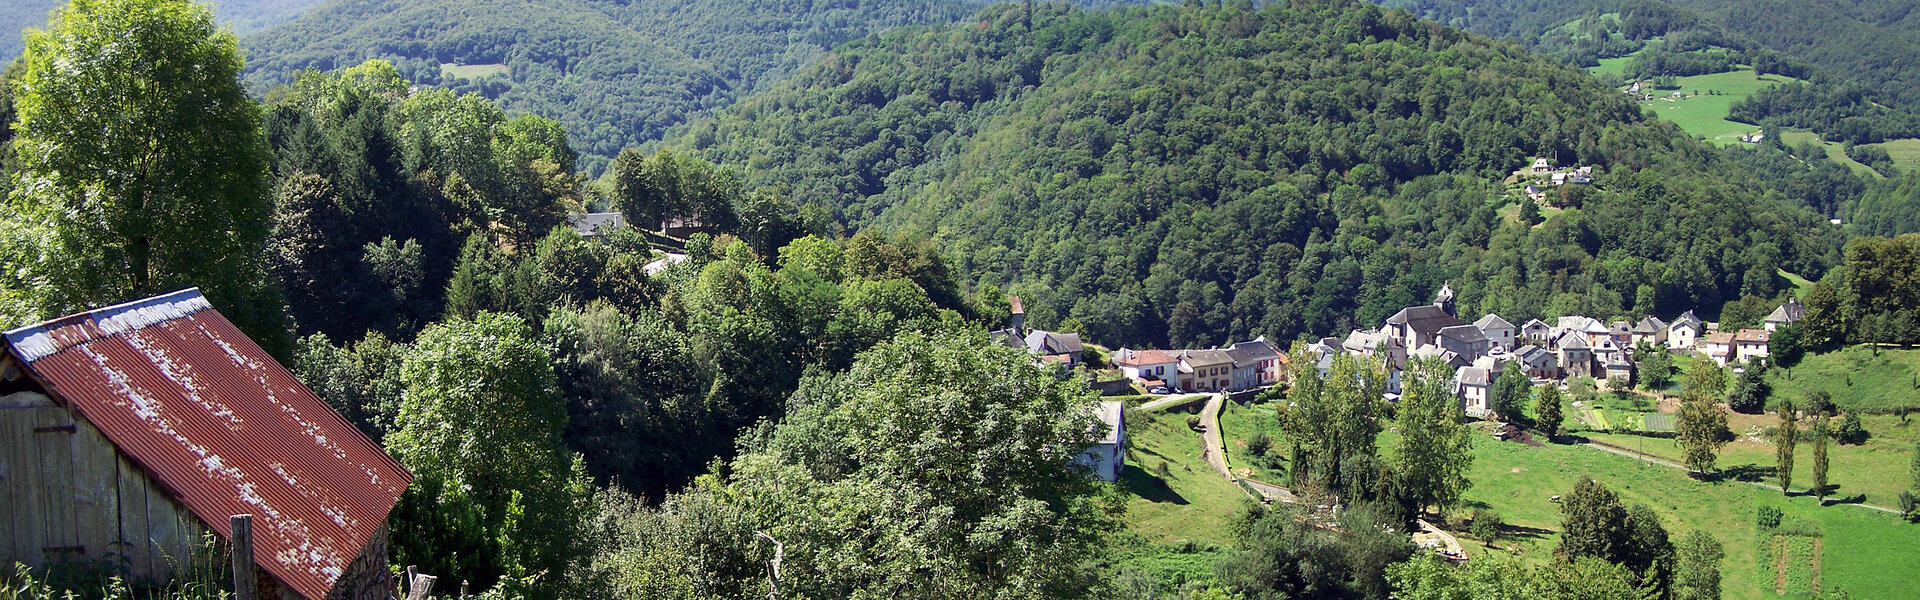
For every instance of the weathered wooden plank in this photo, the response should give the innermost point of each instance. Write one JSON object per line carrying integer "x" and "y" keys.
{"x": 132, "y": 488}
{"x": 56, "y": 480}
{"x": 173, "y": 529}
{"x": 22, "y": 474}
{"x": 95, "y": 503}
{"x": 245, "y": 586}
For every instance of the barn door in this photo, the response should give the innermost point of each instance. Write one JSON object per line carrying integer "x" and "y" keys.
{"x": 37, "y": 467}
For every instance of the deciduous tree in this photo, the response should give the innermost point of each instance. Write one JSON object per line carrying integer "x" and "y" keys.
{"x": 1697, "y": 574}
{"x": 1546, "y": 412}
{"x": 1700, "y": 427}
{"x": 1509, "y": 393}
{"x": 142, "y": 167}
{"x": 1435, "y": 447}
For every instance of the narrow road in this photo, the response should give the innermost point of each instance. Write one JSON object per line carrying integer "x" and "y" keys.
{"x": 1163, "y": 403}
{"x": 1667, "y": 463}
{"x": 1214, "y": 449}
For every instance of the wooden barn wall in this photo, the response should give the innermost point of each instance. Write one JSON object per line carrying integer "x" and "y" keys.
{"x": 67, "y": 495}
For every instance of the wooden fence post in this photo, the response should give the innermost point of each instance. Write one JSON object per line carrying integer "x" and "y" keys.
{"x": 245, "y": 587}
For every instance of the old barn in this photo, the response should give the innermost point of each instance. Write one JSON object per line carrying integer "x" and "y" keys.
{"x": 128, "y": 432}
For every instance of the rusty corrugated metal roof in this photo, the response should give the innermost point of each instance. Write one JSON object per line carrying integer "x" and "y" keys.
{"x": 224, "y": 427}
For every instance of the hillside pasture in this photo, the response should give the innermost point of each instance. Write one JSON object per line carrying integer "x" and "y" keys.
{"x": 1855, "y": 378}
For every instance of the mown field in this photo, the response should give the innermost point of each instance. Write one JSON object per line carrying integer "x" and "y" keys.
{"x": 1702, "y": 108}
{"x": 1835, "y": 152}
{"x": 1905, "y": 153}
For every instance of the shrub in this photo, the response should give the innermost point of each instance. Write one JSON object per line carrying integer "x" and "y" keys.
{"x": 1193, "y": 423}
{"x": 1259, "y": 444}
{"x": 1767, "y": 517}
{"x": 1486, "y": 526}
{"x": 1910, "y": 506}
{"x": 1850, "y": 431}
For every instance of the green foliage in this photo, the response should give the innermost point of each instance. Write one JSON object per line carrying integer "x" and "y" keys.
{"x": 1850, "y": 431}
{"x": 1697, "y": 568}
{"x": 1656, "y": 368}
{"x": 1818, "y": 431}
{"x": 1508, "y": 396}
{"x": 1750, "y": 390}
{"x": 1880, "y": 293}
{"x": 936, "y": 466}
{"x": 616, "y": 73}
{"x": 1129, "y": 182}
{"x": 1486, "y": 526}
{"x": 1330, "y": 422}
{"x": 1844, "y": 113}
{"x": 497, "y": 495}
{"x": 1426, "y": 576}
{"x": 1786, "y": 437}
{"x": 1546, "y": 410}
{"x": 1435, "y": 445}
{"x": 1284, "y": 554}
{"x": 361, "y": 381}
{"x": 1700, "y": 429}
{"x": 141, "y": 168}
{"x": 1767, "y": 517}
{"x": 1594, "y": 524}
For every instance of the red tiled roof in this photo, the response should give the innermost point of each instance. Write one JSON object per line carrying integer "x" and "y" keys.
{"x": 223, "y": 427}
{"x": 1145, "y": 357}
{"x": 1013, "y": 303}
{"x": 1754, "y": 335}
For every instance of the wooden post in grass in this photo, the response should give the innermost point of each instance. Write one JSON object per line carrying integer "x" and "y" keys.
{"x": 245, "y": 586}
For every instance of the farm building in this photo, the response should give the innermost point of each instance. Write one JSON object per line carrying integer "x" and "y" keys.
{"x": 138, "y": 428}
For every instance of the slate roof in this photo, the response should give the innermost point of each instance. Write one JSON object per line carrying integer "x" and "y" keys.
{"x": 1689, "y": 320}
{"x": 1787, "y": 314}
{"x": 1244, "y": 353}
{"x": 1535, "y": 356}
{"x": 223, "y": 427}
{"x": 1205, "y": 358}
{"x": 1574, "y": 340}
{"x": 1471, "y": 376}
{"x": 1426, "y": 319}
{"x": 1649, "y": 326}
{"x": 1492, "y": 322}
{"x": 1535, "y": 324}
{"x": 1050, "y": 343}
{"x": 1465, "y": 334}
{"x": 1007, "y": 337}
{"x": 1111, "y": 420}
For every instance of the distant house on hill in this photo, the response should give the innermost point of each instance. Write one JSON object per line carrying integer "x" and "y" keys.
{"x": 1787, "y": 314}
{"x": 128, "y": 432}
{"x": 1108, "y": 457}
{"x": 1650, "y": 331}
{"x": 1473, "y": 385}
{"x": 1752, "y": 345}
{"x": 1536, "y": 330}
{"x": 596, "y": 224}
{"x": 1719, "y": 347}
{"x": 682, "y": 227}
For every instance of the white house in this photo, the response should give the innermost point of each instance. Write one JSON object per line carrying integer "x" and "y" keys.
{"x": 1497, "y": 330}
{"x": 1149, "y": 367}
{"x": 1107, "y": 458}
{"x": 1685, "y": 331}
{"x": 1719, "y": 347}
{"x": 1536, "y": 330}
{"x": 1472, "y": 384}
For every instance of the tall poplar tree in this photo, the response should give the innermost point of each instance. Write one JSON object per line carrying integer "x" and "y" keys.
{"x": 1787, "y": 437}
{"x": 142, "y": 167}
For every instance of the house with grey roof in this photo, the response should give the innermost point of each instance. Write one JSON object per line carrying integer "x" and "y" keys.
{"x": 1536, "y": 330}
{"x": 1063, "y": 348}
{"x": 1466, "y": 340}
{"x": 1685, "y": 331}
{"x": 1256, "y": 363}
{"x": 1209, "y": 370}
{"x": 1576, "y": 354}
{"x": 1650, "y": 331}
{"x": 1787, "y": 314}
{"x": 1498, "y": 330}
{"x": 1538, "y": 362}
{"x": 1107, "y": 458}
{"x": 596, "y": 224}
{"x": 1472, "y": 384}
{"x": 1416, "y": 326}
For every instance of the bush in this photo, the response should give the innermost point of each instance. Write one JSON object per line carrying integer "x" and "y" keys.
{"x": 1767, "y": 517}
{"x": 1821, "y": 403}
{"x": 1259, "y": 444}
{"x": 1850, "y": 431}
{"x": 1486, "y": 526}
{"x": 1910, "y": 506}
{"x": 1193, "y": 423}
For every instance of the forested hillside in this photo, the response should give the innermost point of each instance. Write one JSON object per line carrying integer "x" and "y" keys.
{"x": 1156, "y": 175}
{"x": 1872, "y": 42}
{"x": 617, "y": 73}
{"x": 242, "y": 16}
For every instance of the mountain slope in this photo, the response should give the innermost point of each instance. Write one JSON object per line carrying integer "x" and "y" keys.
{"x": 616, "y": 73}
{"x": 242, "y": 16}
{"x": 1193, "y": 175}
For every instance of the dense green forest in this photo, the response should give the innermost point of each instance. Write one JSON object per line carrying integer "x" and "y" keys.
{"x": 616, "y": 73}
{"x": 1158, "y": 175}
{"x": 241, "y": 16}
{"x": 1872, "y": 43}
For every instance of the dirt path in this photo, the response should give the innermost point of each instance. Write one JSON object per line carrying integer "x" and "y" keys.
{"x": 1667, "y": 463}
{"x": 1779, "y": 547}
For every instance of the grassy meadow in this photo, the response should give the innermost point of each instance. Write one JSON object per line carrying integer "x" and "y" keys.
{"x": 1855, "y": 378}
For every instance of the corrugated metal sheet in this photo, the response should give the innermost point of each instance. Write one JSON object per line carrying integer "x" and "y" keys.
{"x": 224, "y": 427}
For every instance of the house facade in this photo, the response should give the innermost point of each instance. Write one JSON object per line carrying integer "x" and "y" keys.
{"x": 1752, "y": 345}
{"x": 1536, "y": 330}
{"x": 1205, "y": 370}
{"x": 1466, "y": 341}
{"x": 1255, "y": 364}
{"x": 1685, "y": 332}
{"x": 1787, "y": 314}
{"x": 1719, "y": 347}
{"x": 1149, "y": 367}
{"x": 1060, "y": 348}
{"x": 1108, "y": 457}
{"x": 1473, "y": 384}
{"x": 1498, "y": 331}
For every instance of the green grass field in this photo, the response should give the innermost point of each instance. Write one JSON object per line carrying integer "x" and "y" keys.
{"x": 1800, "y": 284}
{"x": 1702, "y": 109}
{"x": 1855, "y": 378}
{"x": 1905, "y": 153}
{"x": 1188, "y": 501}
{"x": 1870, "y": 554}
{"x": 1240, "y": 423}
{"x": 1835, "y": 152}
{"x": 1877, "y": 468}
{"x": 472, "y": 71}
